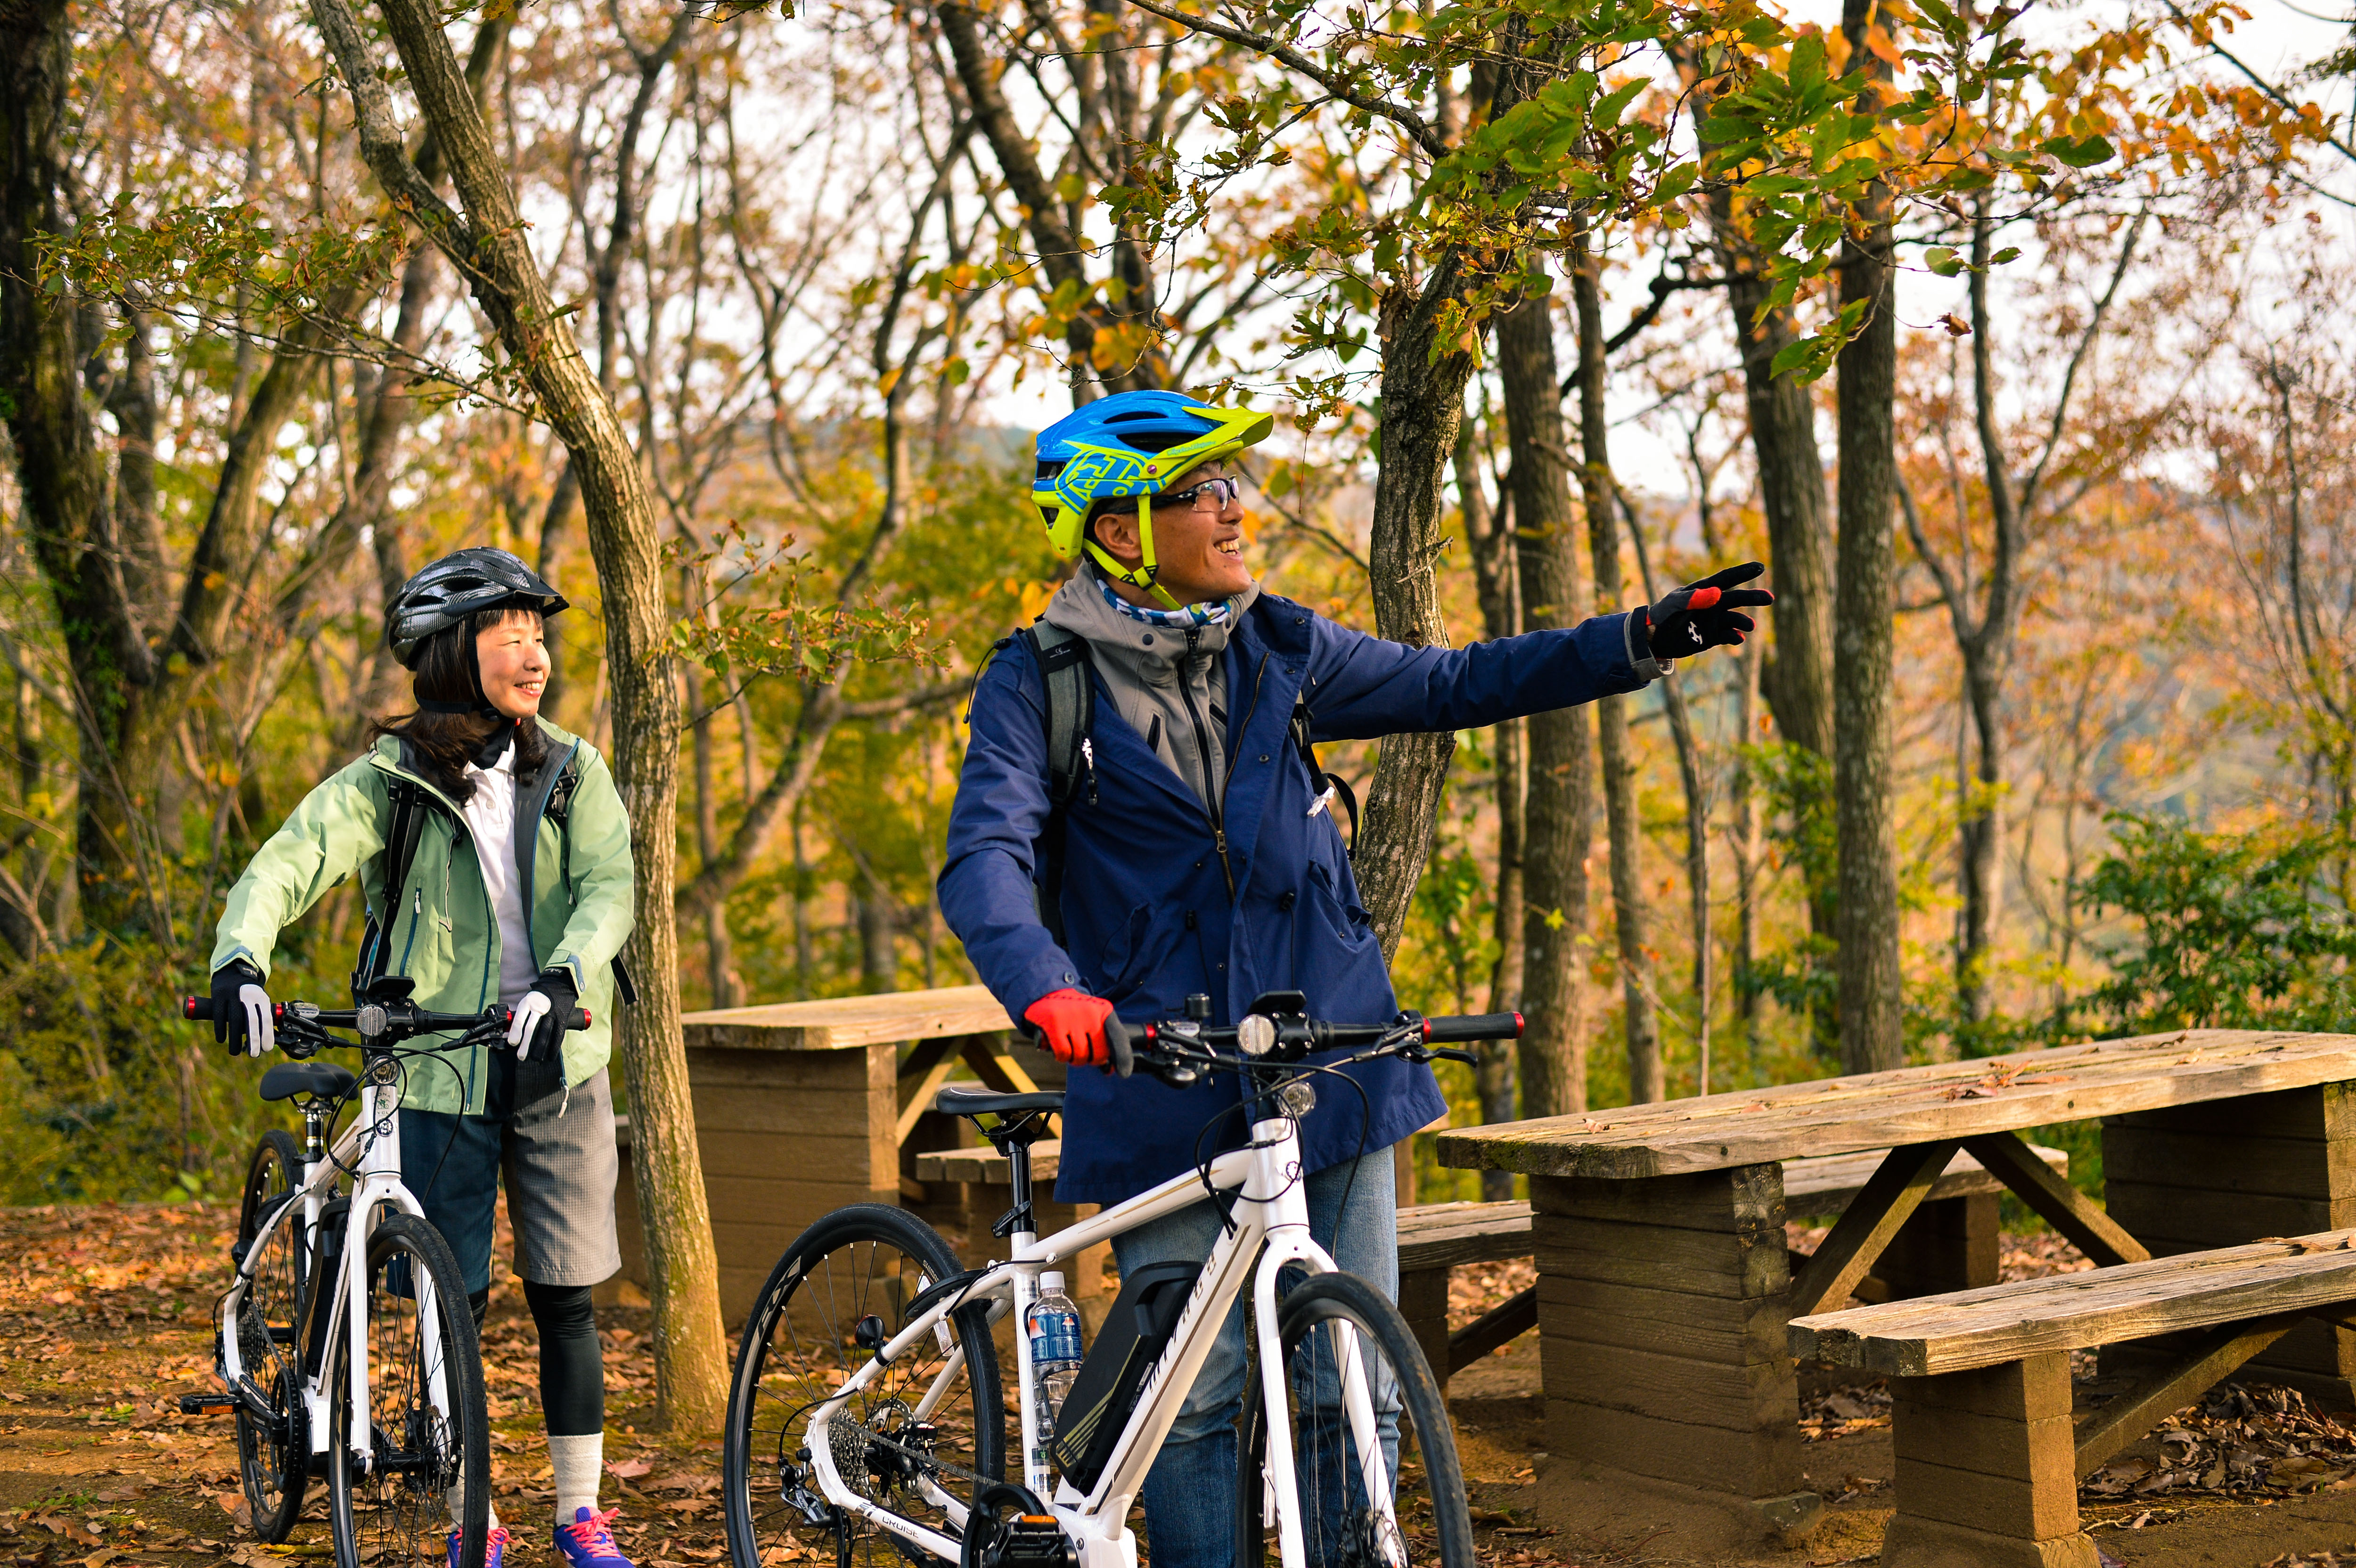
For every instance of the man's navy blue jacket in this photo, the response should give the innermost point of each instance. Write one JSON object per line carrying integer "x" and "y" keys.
{"x": 1147, "y": 911}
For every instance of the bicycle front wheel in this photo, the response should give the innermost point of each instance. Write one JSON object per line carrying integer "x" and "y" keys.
{"x": 422, "y": 1472}
{"x": 273, "y": 1460}
{"x": 917, "y": 1441}
{"x": 1346, "y": 1345}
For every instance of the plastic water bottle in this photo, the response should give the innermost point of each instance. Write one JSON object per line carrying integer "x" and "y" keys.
{"x": 1054, "y": 1356}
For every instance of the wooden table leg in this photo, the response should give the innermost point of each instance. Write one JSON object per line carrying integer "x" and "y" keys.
{"x": 1950, "y": 1244}
{"x": 2228, "y": 1171}
{"x": 1987, "y": 1472}
{"x": 1662, "y": 1306}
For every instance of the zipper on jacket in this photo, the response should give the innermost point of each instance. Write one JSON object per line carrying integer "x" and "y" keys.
{"x": 1212, "y": 788}
{"x": 416, "y": 913}
{"x": 1258, "y": 676}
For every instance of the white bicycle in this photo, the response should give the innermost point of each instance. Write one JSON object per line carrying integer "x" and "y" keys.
{"x": 867, "y": 1416}
{"x": 344, "y": 1342}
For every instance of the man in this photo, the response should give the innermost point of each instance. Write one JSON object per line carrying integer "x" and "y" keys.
{"x": 1200, "y": 855}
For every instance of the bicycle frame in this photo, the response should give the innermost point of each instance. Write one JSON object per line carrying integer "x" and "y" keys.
{"x": 1271, "y": 1225}
{"x": 371, "y": 1146}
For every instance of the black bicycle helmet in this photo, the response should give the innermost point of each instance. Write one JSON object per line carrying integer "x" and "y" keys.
{"x": 457, "y": 586}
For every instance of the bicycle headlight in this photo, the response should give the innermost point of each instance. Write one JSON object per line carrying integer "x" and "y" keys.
{"x": 1256, "y": 1034}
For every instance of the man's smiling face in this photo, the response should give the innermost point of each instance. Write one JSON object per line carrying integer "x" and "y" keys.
{"x": 1199, "y": 543}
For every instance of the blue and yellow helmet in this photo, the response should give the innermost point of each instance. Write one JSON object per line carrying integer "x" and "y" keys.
{"x": 1130, "y": 444}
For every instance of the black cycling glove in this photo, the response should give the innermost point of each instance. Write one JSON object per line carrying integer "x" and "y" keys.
{"x": 242, "y": 1020}
{"x": 1705, "y": 615}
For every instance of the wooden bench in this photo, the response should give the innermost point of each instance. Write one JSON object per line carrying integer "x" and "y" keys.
{"x": 1989, "y": 1447}
{"x": 1950, "y": 1244}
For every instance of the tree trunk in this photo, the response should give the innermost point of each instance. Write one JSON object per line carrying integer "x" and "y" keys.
{"x": 59, "y": 469}
{"x": 1798, "y": 680}
{"x": 1647, "y": 1079}
{"x": 1746, "y": 859}
{"x": 490, "y": 247}
{"x": 1491, "y": 539}
{"x": 1559, "y": 809}
{"x": 1423, "y": 402}
{"x": 1696, "y": 795}
{"x": 1871, "y": 1024}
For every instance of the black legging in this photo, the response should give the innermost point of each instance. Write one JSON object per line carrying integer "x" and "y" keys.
{"x": 571, "y": 1366}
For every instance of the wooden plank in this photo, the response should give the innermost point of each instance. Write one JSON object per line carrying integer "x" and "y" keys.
{"x": 2277, "y": 1167}
{"x": 1750, "y": 1198}
{"x": 2218, "y": 1219}
{"x": 986, "y": 1166}
{"x": 2065, "y": 1207}
{"x": 2103, "y": 1433}
{"x": 1738, "y": 1266}
{"x": 1909, "y": 1105}
{"x": 1500, "y": 1326}
{"x": 995, "y": 1066}
{"x": 2292, "y": 1113}
{"x": 920, "y": 1077}
{"x": 848, "y": 1022}
{"x": 2078, "y": 1311}
{"x": 1951, "y": 1243}
{"x": 1985, "y": 1445}
{"x": 1762, "y": 1463}
{"x": 1701, "y": 1329}
{"x": 2039, "y": 1509}
{"x": 1737, "y": 1396}
{"x": 1893, "y": 1193}
{"x": 2036, "y": 1387}
{"x": 1442, "y": 1235}
{"x": 1911, "y": 1542}
{"x": 1423, "y": 1302}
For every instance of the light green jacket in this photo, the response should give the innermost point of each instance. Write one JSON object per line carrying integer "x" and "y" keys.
{"x": 440, "y": 930}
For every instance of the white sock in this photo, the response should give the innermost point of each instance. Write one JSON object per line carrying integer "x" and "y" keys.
{"x": 579, "y": 1463}
{"x": 455, "y": 1499}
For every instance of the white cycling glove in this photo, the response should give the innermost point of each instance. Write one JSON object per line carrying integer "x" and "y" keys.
{"x": 261, "y": 1030}
{"x": 534, "y": 1007}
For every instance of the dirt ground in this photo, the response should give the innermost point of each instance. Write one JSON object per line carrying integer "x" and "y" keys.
{"x": 103, "y": 1324}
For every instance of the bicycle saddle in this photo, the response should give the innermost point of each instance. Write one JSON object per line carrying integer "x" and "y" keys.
{"x": 989, "y": 1101}
{"x": 289, "y": 1079}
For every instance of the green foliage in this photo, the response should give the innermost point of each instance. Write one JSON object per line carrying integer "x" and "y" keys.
{"x": 2235, "y": 932}
{"x": 1797, "y": 787}
{"x": 106, "y": 1095}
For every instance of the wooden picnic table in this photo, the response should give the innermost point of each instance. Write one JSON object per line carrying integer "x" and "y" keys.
{"x": 801, "y": 1107}
{"x": 1664, "y": 1281}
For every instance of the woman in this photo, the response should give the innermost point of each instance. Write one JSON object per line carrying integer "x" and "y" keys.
{"x": 519, "y": 890}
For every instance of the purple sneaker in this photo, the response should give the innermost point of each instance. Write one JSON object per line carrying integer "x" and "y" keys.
{"x": 588, "y": 1543}
{"x": 495, "y": 1545}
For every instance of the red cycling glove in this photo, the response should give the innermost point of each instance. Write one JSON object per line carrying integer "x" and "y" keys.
{"x": 1071, "y": 1025}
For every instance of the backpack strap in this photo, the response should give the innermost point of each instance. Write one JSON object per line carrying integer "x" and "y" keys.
{"x": 1067, "y": 677}
{"x": 411, "y": 804}
{"x": 1334, "y": 781}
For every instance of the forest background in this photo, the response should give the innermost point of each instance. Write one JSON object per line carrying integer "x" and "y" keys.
{"x": 2013, "y": 341}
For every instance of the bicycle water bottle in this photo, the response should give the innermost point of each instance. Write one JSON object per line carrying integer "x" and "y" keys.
{"x": 1054, "y": 1357}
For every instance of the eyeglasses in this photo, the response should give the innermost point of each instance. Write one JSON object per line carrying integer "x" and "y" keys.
{"x": 1223, "y": 493}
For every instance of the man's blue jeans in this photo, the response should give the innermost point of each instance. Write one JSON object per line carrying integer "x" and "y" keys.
{"x": 1190, "y": 1493}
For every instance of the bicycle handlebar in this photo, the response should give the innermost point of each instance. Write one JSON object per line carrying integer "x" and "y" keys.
{"x": 401, "y": 1019}
{"x": 1180, "y": 1046}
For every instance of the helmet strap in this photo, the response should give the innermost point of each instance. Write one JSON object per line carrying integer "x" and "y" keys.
{"x": 1148, "y": 572}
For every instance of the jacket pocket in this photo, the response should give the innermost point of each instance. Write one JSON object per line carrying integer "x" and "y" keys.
{"x": 1127, "y": 951}
{"x": 1344, "y": 921}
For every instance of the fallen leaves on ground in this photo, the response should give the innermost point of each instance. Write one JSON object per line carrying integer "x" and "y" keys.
{"x": 1839, "y": 1412}
{"x": 1476, "y": 1288}
{"x": 2243, "y": 1441}
{"x": 2345, "y": 1557}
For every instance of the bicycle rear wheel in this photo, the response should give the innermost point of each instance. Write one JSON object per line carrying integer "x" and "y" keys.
{"x": 1426, "y": 1520}
{"x": 423, "y": 1470}
{"x": 273, "y": 1461}
{"x": 917, "y": 1441}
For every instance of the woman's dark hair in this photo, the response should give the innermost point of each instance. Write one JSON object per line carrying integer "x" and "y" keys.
{"x": 443, "y": 743}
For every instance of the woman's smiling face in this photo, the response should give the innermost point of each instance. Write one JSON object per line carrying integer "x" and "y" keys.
{"x": 513, "y": 659}
{"x": 1199, "y": 547}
